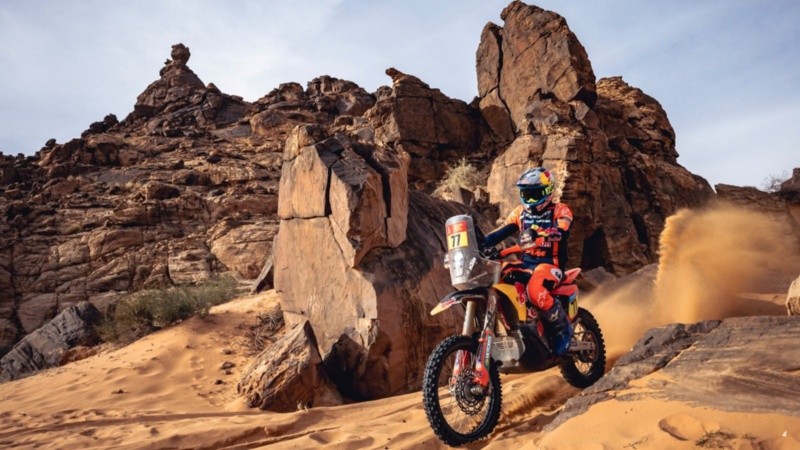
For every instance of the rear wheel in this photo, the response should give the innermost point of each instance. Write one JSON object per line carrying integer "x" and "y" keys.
{"x": 458, "y": 409}
{"x": 582, "y": 368}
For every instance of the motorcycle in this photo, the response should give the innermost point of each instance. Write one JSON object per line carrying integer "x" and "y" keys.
{"x": 501, "y": 333}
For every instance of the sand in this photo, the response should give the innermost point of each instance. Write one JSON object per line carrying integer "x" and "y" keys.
{"x": 162, "y": 392}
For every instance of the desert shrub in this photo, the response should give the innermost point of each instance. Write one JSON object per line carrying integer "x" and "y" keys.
{"x": 462, "y": 175}
{"x": 772, "y": 183}
{"x": 263, "y": 332}
{"x": 716, "y": 439}
{"x": 143, "y": 312}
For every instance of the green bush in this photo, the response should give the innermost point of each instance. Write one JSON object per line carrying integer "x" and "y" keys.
{"x": 146, "y": 311}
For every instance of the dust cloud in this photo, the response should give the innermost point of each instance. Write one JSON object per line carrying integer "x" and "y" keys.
{"x": 718, "y": 262}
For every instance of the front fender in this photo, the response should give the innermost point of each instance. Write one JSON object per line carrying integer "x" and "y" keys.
{"x": 457, "y": 297}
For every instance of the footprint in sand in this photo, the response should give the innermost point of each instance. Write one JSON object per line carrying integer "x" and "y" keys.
{"x": 196, "y": 364}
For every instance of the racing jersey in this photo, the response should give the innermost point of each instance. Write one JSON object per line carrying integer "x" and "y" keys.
{"x": 555, "y": 215}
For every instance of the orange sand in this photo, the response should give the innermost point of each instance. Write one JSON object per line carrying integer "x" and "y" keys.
{"x": 169, "y": 399}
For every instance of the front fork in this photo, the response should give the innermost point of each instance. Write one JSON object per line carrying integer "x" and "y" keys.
{"x": 484, "y": 342}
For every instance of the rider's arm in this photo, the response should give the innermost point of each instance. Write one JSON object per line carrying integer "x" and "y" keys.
{"x": 497, "y": 236}
{"x": 508, "y": 229}
{"x": 563, "y": 217}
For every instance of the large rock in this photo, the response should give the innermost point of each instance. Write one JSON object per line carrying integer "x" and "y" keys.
{"x": 289, "y": 375}
{"x": 733, "y": 358}
{"x": 359, "y": 257}
{"x": 433, "y": 129}
{"x": 793, "y": 298}
{"x": 533, "y": 56}
{"x": 44, "y": 347}
{"x": 790, "y": 189}
{"x": 611, "y": 146}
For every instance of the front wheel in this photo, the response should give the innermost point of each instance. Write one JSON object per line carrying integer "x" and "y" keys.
{"x": 458, "y": 409}
{"x": 582, "y": 368}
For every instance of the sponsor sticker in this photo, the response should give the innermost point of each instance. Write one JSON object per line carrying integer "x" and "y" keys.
{"x": 457, "y": 235}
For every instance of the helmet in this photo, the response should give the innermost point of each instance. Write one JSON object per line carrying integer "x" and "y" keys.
{"x": 536, "y": 188}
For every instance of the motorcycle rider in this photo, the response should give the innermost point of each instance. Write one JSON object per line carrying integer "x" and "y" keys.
{"x": 545, "y": 223}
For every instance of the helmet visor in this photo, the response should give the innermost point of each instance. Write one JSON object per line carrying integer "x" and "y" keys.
{"x": 534, "y": 195}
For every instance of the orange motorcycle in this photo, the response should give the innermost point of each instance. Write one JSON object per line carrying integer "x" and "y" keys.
{"x": 500, "y": 334}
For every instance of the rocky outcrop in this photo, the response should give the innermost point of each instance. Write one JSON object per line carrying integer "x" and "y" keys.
{"x": 611, "y": 145}
{"x": 790, "y": 189}
{"x": 733, "y": 358}
{"x": 534, "y": 57}
{"x": 433, "y": 129}
{"x": 793, "y": 298}
{"x": 183, "y": 188}
{"x": 358, "y": 256}
{"x": 289, "y": 375}
{"x": 45, "y": 347}
{"x": 748, "y": 196}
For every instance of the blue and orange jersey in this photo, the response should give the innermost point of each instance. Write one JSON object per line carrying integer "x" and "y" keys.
{"x": 556, "y": 215}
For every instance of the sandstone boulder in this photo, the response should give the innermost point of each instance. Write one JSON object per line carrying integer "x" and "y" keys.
{"x": 289, "y": 375}
{"x": 790, "y": 189}
{"x": 45, "y": 347}
{"x": 793, "y": 298}
{"x": 358, "y": 256}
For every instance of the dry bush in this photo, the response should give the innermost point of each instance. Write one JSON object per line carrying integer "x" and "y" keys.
{"x": 716, "y": 439}
{"x": 263, "y": 331}
{"x": 143, "y": 312}
{"x": 463, "y": 175}
{"x": 772, "y": 183}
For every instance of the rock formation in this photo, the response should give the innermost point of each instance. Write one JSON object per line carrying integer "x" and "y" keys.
{"x": 359, "y": 256}
{"x": 793, "y": 298}
{"x": 612, "y": 145}
{"x": 295, "y": 379}
{"x": 183, "y": 188}
{"x": 433, "y": 129}
{"x": 45, "y": 347}
{"x": 733, "y": 358}
{"x": 790, "y": 189}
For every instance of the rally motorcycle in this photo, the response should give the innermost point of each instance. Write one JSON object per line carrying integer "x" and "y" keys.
{"x": 502, "y": 333}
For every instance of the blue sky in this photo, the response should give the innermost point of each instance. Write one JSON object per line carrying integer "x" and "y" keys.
{"x": 727, "y": 72}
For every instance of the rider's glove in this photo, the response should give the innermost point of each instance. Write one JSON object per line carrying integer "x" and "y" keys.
{"x": 490, "y": 252}
{"x": 526, "y": 238}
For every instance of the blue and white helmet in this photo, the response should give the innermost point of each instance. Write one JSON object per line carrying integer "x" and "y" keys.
{"x": 536, "y": 188}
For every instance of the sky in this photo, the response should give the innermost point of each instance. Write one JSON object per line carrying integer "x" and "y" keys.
{"x": 727, "y": 72}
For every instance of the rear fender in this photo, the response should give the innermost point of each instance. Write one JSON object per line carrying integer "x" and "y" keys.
{"x": 454, "y": 298}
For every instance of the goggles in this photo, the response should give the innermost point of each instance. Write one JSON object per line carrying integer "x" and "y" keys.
{"x": 535, "y": 194}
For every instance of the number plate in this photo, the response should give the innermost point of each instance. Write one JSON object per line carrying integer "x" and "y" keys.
{"x": 457, "y": 235}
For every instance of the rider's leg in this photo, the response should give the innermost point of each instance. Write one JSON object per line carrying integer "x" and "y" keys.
{"x": 544, "y": 278}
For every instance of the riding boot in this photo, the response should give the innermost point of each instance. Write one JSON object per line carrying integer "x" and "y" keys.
{"x": 561, "y": 329}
